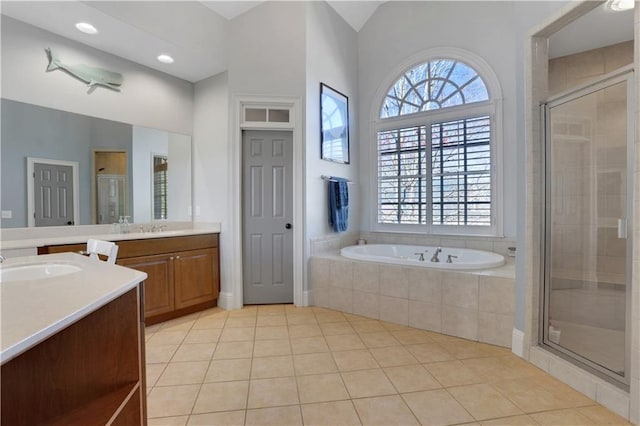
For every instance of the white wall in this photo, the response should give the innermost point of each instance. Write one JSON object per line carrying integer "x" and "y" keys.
{"x": 399, "y": 30}
{"x": 211, "y": 168}
{"x": 331, "y": 58}
{"x": 266, "y": 57}
{"x": 267, "y": 50}
{"x": 493, "y": 30}
{"x": 146, "y": 142}
{"x": 179, "y": 185}
{"x": 148, "y": 98}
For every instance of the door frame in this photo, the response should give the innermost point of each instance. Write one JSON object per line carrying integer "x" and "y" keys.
{"x": 31, "y": 209}
{"x": 94, "y": 182}
{"x": 233, "y": 297}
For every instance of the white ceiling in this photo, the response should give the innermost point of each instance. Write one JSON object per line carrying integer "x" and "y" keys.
{"x": 598, "y": 28}
{"x": 195, "y": 32}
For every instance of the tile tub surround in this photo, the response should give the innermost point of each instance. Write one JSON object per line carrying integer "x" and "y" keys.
{"x": 314, "y": 366}
{"x": 474, "y": 305}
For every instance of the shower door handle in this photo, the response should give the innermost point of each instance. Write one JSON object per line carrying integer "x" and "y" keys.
{"x": 622, "y": 228}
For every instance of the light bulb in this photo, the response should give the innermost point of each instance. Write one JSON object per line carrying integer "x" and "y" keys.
{"x": 165, "y": 59}
{"x": 86, "y": 28}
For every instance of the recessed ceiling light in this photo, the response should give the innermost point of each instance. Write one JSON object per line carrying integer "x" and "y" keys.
{"x": 165, "y": 59}
{"x": 619, "y": 5}
{"x": 86, "y": 28}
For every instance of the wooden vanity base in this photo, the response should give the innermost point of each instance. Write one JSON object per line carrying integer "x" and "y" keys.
{"x": 184, "y": 274}
{"x": 90, "y": 373}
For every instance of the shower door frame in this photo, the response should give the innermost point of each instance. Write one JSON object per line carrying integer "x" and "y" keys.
{"x": 625, "y": 74}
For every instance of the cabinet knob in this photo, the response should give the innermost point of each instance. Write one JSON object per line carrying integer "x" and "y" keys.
{"x": 177, "y": 257}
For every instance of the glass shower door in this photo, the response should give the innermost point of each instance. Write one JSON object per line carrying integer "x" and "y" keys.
{"x": 587, "y": 260}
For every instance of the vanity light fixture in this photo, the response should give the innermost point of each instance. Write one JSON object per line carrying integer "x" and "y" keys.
{"x": 165, "y": 59}
{"x": 86, "y": 28}
{"x": 619, "y": 5}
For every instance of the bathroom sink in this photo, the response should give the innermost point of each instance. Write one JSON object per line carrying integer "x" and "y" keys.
{"x": 36, "y": 271}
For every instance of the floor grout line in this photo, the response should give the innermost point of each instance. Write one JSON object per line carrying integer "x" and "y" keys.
{"x": 308, "y": 329}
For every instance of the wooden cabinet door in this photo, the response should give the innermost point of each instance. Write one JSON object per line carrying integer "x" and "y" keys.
{"x": 159, "y": 286}
{"x": 194, "y": 273}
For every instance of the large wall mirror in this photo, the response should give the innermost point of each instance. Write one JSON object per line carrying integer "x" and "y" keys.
{"x": 61, "y": 168}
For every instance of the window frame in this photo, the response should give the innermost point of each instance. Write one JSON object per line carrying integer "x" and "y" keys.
{"x": 491, "y": 108}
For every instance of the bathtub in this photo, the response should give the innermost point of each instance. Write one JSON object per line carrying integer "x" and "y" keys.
{"x": 461, "y": 258}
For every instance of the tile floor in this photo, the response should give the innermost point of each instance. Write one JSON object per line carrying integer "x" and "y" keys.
{"x": 283, "y": 365}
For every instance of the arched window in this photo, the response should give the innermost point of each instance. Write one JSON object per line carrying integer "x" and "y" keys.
{"x": 436, "y": 151}
{"x": 439, "y": 83}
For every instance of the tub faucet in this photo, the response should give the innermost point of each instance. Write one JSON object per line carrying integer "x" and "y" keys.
{"x": 449, "y": 257}
{"x": 421, "y": 258}
{"x": 434, "y": 258}
{"x": 2, "y": 258}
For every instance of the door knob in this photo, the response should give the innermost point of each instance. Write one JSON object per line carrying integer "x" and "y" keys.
{"x": 288, "y": 226}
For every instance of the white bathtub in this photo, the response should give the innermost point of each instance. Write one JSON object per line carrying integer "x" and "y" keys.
{"x": 467, "y": 259}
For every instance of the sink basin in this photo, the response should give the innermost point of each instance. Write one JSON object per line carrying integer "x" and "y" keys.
{"x": 36, "y": 271}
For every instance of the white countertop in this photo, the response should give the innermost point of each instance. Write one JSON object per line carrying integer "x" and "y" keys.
{"x": 39, "y": 237}
{"x": 33, "y": 310}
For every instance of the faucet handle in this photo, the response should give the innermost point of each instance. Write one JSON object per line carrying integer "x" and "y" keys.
{"x": 421, "y": 258}
{"x": 449, "y": 257}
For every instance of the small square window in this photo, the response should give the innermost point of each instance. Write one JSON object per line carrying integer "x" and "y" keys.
{"x": 278, "y": 115}
{"x": 255, "y": 114}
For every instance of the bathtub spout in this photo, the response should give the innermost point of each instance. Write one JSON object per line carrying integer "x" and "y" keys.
{"x": 434, "y": 258}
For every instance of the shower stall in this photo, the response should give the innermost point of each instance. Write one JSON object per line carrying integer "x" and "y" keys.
{"x": 587, "y": 225}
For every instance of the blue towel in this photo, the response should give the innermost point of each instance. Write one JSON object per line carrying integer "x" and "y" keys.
{"x": 338, "y": 204}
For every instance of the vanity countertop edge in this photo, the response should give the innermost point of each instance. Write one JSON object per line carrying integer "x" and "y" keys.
{"x": 12, "y": 244}
{"x": 34, "y": 310}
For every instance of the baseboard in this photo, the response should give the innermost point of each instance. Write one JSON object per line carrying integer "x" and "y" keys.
{"x": 307, "y": 297}
{"x": 225, "y": 300}
{"x": 517, "y": 342}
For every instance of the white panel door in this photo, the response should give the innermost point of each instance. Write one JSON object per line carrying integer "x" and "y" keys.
{"x": 267, "y": 216}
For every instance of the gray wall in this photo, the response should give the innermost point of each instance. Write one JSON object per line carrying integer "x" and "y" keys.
{"x": 33, "y": 131}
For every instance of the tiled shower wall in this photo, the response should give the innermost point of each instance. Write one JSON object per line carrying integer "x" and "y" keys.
{"x": 588, "y": 186}
{"x": 475, "y": 306}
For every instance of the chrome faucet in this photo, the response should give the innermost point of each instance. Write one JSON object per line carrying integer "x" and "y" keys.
{"x": 2, "y": 258}
{"x": 449, "y": 257}
{"x": 434, "y": 258}
{"x": 421, "y": 258}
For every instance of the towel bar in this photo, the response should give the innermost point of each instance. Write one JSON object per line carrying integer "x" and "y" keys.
{"x": 332, "y": 179}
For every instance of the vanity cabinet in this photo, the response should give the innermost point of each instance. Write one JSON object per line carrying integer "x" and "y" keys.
{"x": 90, "y": 373}
{"x": 183, "y": 272}
{"x": 159, "y": 286}
{"x": 177, "y": 281}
